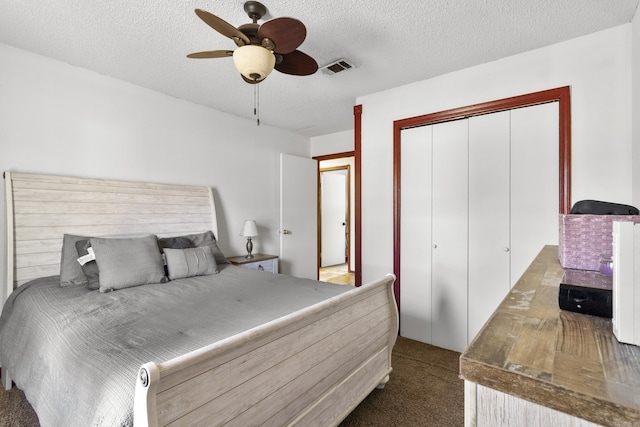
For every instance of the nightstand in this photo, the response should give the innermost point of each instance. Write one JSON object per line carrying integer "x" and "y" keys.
{"x": 262, "y": 262}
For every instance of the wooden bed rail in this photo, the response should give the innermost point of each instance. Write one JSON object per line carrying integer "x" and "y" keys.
{"x": 312, "y": 367}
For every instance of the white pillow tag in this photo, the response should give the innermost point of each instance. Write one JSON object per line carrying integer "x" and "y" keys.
{"x": 88, "y": 257}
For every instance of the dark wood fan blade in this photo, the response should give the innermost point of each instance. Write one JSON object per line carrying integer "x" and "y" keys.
{"x": 211, "y": 54}
{"x": 297, "y": 63}
{"x": 286, "y": 33}
{"x": 221, "y": 26}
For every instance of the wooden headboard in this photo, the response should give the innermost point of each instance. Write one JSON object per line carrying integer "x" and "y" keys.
{"x": 40, "y": 209}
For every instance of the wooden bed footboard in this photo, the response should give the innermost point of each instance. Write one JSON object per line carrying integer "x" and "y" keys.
{"x": 312, "y": 367}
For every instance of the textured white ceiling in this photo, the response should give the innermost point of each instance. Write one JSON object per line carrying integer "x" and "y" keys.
{"x": 391, "y": 43}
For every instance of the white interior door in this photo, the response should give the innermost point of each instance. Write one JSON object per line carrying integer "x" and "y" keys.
{"x": 534, "y": 183}
{"x": 449, "y": 231}
{"x": 333, "y": 214}
{"x": 298, "y": 216}
{"x": 489, "y": 219}
{"x": 415, "y": 233}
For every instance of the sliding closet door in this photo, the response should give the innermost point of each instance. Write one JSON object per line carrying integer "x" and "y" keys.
{"x": 534, "y": 183}
{"x": 415, "y": 232}
{"x": 449, "y": 231}
{"x": 489, "y": 241}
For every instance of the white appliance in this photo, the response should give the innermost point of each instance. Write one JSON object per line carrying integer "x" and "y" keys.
{"x": 626, "y": 282}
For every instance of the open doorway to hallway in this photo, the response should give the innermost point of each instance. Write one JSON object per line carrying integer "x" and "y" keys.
{"x": 336, "y": 220}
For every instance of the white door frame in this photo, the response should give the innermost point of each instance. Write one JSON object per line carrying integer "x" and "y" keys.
{"x": 347, "y": 168}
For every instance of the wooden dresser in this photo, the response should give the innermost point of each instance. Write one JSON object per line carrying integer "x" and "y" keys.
{"x": 533, "y": 364}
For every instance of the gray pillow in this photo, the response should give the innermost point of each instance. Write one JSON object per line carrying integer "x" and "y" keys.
{"x": 195, "y": 241}
{"x": 124, "y": 263}
{"x": 190, "y": 262}
{"x": 70, "y": 271}
{"x": 179, "y": 242}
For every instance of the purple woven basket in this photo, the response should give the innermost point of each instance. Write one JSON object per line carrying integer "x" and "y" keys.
{"x": 583, "y": 238}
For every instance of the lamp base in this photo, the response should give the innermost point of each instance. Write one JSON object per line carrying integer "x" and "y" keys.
{"x": 249, "y": 248}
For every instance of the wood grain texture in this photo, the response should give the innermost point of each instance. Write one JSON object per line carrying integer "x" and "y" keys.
{"x": 569, "y": 362}
{"x": 42, "y": 208}
{"x": 491, "y": 413}
{"x": 308, "y": 368}
{"x": 261, "y": 262}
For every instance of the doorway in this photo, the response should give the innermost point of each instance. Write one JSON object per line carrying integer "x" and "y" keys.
{"x": 334, "y": 216}
{"x": 336, "y": 219}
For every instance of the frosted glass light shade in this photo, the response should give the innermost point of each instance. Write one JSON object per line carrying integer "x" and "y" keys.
{"x": 254, "y": 62}
{"x": 249, "y": 228}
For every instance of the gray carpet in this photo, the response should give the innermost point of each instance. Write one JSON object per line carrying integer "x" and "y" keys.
{"x": 15, "y": 411}
{"x": 424, "y": 390}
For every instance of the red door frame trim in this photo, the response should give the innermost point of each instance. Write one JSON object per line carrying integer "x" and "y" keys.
{"x": 357, "y": 144}
{"x": 561, "y": 94}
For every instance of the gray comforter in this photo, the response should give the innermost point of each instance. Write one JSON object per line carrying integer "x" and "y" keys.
{"x": 75, "y": 353}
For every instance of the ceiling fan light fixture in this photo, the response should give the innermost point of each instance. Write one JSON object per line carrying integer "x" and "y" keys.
{"x": 254, "y": 62}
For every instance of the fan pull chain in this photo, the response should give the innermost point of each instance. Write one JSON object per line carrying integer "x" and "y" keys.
{"x": 256, "y": 102}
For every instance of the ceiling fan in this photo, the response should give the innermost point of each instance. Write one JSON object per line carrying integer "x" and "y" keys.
{"x": 261, "y": 48}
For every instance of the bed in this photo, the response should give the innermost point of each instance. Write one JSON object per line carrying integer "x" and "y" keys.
{"x": 275, "y": 350}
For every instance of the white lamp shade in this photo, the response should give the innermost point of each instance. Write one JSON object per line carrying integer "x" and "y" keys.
{"x": 254, "y": 62}
{"x": 249, "y": 228}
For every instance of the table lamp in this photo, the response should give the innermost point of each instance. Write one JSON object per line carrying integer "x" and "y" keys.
{"x": 249, "y": 230}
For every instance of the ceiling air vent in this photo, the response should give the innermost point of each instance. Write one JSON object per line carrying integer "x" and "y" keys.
{"x": 337, "y": 66}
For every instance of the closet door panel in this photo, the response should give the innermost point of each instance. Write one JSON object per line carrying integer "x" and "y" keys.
{"x": 449, "y": 225}
{"x": 534, "y": 183}
{"x": 415, "y": 234}
{"x": 489, "y": 223}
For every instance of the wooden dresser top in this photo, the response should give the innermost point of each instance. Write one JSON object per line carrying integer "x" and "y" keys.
{"x": 567, "y": 361}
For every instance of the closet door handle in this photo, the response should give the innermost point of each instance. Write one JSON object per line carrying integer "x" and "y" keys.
{"x": 435, "y": 246}
{"x": 507, "y": 249}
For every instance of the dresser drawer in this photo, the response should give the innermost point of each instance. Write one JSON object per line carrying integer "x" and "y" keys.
{"x": 270, "y": 265}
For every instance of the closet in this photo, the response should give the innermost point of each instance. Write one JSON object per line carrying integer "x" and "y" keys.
{"x": 478, "y": 200}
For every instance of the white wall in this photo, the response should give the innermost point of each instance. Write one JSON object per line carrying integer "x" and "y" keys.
{"x": 59, "y": 119}
{"x": 339, "y": 142}
{"x": 598, "y": 69}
